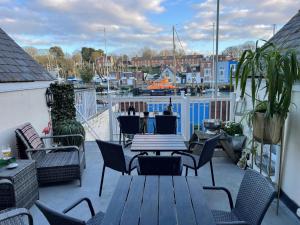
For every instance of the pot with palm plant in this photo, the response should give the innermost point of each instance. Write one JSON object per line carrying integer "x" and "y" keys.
{"x": 279, "y": 71}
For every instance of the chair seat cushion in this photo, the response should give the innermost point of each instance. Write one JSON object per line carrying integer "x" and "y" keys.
{"x": 96, "y": 220}
{"x": 223, "y": 216}
{"x": 58, "y": 159}
{"x": 188, "y": 161}
{"x": 133, "y": 165}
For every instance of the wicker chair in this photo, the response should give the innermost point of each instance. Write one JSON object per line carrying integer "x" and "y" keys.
{"x": 54, "y": 164}
{"x": 165, "y": 124}
{"x": 194, "y": 162}
{"x": 129, "y": 126}
{"x": 253, "y": 200}
{"x": 15, "y": 217}
{"x": 160, "y": 165}
{"x": 58, "y": 218}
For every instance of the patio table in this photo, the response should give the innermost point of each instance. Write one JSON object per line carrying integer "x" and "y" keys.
{"x": 158, "y": 143}
{"x": 158, "y": 200}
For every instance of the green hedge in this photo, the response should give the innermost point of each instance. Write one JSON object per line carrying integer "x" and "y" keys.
{"x": 63, "y": 107}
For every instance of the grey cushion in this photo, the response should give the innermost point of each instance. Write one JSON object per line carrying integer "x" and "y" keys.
{"x": 59, "y": 159}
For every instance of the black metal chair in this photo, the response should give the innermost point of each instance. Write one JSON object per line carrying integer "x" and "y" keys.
{"x": 15, "y": 217}
{"x": 129, "y": 126}
{"x": 165, "y": 124}
{"x": 160, "y": 165}
{"x": 114, "y": 158}
{"x": 253, "y": 200}
{"x": 57, "y": 218}
{"x": 191, "y": 161}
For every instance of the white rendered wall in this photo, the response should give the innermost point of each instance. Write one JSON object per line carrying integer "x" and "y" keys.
{"x": 21, "y": 106}
{"x": 291, "y": 163}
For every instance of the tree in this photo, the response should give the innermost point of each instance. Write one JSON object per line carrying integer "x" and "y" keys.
{"x": 147, "y": 52}
{"x": 237, "y": 50}
{"x": 96, "y": 54}
{"x": 86, "y": 74}
{"x": 86, "y": 54}
{"x": 32, "y": 51}
{"x": 57, "y": 52}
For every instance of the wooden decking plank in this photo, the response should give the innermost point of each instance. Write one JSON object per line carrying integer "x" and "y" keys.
{"x": 202, "y": 212}
{"x": 184, "y": 208}
{"x": 131, "y": 212}
{"x": 117, "y": 202}
{"x": 167, "y": 211}
{"x": 149, "y": 210}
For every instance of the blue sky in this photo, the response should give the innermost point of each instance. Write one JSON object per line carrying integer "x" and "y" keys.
{"x": 134, "y": 24}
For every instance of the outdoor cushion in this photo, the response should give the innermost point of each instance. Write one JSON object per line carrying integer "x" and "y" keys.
{"x": 59, "y": 159}
{"x": 223, "y": 216}
{"x": 31, "y": 136}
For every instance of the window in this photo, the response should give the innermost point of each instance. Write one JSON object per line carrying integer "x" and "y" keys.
{"x": 207, "y": 72}
{"x": 221, "y": 73}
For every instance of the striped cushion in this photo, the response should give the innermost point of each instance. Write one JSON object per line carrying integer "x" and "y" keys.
{"x": 31, "y": 136}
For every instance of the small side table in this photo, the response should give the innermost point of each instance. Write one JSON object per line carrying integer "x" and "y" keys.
{"x": 24, "y": 185}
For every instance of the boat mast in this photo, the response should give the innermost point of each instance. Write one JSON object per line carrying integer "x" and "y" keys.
{"x": 174, "y": 57}
{"x": 217, "y": 49}
{"x": 105, "y": 64}
{"x": 213, "y": 57}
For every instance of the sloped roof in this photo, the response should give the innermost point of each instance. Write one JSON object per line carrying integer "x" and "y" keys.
{"x": 288, "y": 37}
{"x": 16, "y": 65}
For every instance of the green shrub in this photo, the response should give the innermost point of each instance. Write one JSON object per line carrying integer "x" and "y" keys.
{"x": 64, "y": 103}
{"x": 233, "y": 128}
{"x": 86, "y": 74}
{"x": 67, "y": 127}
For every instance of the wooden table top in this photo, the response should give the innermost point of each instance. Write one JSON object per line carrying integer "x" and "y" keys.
{"x": 158, "y": 142}
{"x": 158, "y": 200}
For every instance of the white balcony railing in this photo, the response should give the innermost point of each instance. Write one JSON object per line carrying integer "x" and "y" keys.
{"x": 191, "y": 111}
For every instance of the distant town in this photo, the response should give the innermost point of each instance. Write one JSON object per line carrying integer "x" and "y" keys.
{"x": 164, "y": 70}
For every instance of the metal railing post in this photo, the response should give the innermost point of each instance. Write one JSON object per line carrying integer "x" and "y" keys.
{"x": 110, "y": 119}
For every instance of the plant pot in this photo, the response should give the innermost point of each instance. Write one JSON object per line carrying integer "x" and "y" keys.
{"x": 267, "y": 130}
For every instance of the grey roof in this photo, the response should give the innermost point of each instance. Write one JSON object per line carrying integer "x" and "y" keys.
{"x": 288, "y": 37}
{"x": 16, "y": 65}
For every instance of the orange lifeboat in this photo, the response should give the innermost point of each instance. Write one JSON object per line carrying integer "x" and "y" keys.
{"x": 161, "y": 84}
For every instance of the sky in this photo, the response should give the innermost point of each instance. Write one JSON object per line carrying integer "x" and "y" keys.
{"x": 133, "y": 24}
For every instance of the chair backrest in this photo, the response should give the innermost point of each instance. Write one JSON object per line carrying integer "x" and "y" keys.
{"x": 27, "y": 137}
{"x": 160, "y": 165}
{"x": 55, "y": 218}
{"x": 208, "y": 150}
{"x": 166, "y": 124}
{"x": 254, "y": 197}
{"x": 113, "y": 155}
{"x": 129, "y": 124}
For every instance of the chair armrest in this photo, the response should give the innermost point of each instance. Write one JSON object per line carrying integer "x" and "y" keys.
{"x": 221, "y": 189}
{"x": 58, "y": 148}
{"x": 90, "y": 205}
{"x": 133, "y": 158}
{"x": 11, "y": 213}
{"x": 5, "y": 181}
{"x": 62, "y": 136}
{"x": 192, "y": 144}
{"x": 186, "y": 154}
{"x": 233, "y": 223}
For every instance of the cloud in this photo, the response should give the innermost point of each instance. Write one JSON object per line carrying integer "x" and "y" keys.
{"x": 129, "y": 24}
{"x": 247, "y": 19}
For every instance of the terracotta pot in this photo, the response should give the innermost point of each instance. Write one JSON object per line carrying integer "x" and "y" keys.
{"x": 266, "y": 129}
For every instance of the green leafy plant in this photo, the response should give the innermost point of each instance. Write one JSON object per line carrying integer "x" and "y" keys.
{"x": 67, "y": 127}
{"x": 86, "y": 74}
{"x": 233, "y": 128}
{"x": 64, "y": 105}
{"x": 280, "y": 71}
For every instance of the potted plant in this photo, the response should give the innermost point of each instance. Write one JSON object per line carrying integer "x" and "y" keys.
{"x": 70, "y": 127}
{"x": 280, "y": 71}
{"x": 234, "y": 140}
